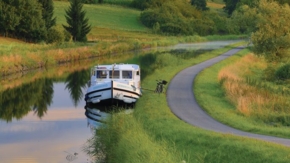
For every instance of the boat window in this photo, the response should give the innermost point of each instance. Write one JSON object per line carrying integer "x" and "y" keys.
{"x": 137, "y": 72}
{"x": 127, "y": 74}
{"x": 116, "y": 74}
{"x": 101, "y": 74}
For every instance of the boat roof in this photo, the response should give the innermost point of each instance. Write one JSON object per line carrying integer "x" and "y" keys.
{"x": 119, "y": 66}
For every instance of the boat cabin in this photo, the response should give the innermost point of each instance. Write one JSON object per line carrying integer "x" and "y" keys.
{"x": 124, "y": 73}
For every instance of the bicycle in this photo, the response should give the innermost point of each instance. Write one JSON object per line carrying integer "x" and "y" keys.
{"x": 160, "y": 85}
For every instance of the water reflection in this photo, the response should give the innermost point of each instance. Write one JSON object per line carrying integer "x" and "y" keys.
{"x": 98, "y": 114}
{"x": 61, "y": 132}
{"x": 17, "y": 102}
{"x": 75, "y": 82}
{"x": 37, "y": 96}
{"x": 96, "y": 117}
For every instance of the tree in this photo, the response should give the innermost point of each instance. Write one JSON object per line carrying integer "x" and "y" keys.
{"x": 199, "y": 4}
{"x": 8, "y": 18}
{"x": 47, "y": 13}
{"x": 272, "y": 39}
{"x": 283, "y": 1}
{"x": 31, "y": 25}
{"x": 145, "y": 4}
{"x": 77, "y": 23}
{"x": 230, "y": 6}
{"x": 243, "y": 20}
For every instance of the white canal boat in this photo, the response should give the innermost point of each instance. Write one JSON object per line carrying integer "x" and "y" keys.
{"x": 116, "y": 82}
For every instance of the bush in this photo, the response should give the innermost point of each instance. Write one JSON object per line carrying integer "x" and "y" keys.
{"x": 283, "y": 72}
{"x": 67, "y": 35}
{"x": 55, "y": 35}
{"x": 145, "y": 4}
{"x": 172, "y": 28}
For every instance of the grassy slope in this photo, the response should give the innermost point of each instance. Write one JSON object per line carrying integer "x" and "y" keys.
{"x": 105, "y": 16}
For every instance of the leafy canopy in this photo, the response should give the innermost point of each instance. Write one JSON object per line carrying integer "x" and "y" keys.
{"x": 272, "y": 38}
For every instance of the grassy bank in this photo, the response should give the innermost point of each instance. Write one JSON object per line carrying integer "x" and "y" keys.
{"x": 169, "y": 137}
{"x": 237, "y": 102}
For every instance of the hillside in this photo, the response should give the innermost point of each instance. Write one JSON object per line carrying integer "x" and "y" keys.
{"x": 105, "y": 16}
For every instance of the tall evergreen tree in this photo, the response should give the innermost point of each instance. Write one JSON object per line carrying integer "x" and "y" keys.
{"x": 47, "y": 13}
{"x": 78, "y": 25}
{"x": 199, "y": 4}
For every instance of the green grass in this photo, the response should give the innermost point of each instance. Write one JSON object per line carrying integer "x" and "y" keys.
{"x": 207, "y": 87}
{"x": 105, "y": 16}
{"x": 169, "y": 136}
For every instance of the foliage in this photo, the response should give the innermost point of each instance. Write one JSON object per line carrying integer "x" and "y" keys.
{"x": 47, "y": 13}
{"x": 9, "y": 20}
{"x": 283, "y": 1}
{"x": 32, "y": 28}
{"x": 89, "y": 1}
{"x": 203, "y": 26}
{"x": 232, "y": 5}
{"x": 219, "y": 26}
{"x": 283, "y": 72}
{"x": 55, "y": 35}
{"x": 145, "y": 4}
{"x": 179, "y": 18}
{"x": 77, "y": 23}
{"x": 173, "y": 18}
{"x": 22, "y": 19}
{"x": 199, "y": 4}
{"x": 156, "y": 27}
{"x": 243, "y": 20}
{"x": 272, "y": 38}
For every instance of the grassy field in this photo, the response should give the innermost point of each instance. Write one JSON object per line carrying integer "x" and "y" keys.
{"x": 153, "y": 134}
{"x": 105, "y": 16}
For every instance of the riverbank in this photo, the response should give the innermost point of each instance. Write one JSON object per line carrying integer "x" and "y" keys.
{"x": 17, "y": 56}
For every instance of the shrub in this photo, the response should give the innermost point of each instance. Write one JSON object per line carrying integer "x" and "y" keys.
{"x": 55, "y": 35}
{"x": 67, "y": 35}
{"x": 283, "y": 72}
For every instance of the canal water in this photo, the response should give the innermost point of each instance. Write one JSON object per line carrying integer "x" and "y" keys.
{"x": 42, "y": 115}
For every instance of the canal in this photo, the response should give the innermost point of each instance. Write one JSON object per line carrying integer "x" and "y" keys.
{"x": 42, "y": 115}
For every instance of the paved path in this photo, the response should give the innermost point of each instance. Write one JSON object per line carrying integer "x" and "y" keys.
{"x": 183, "y": 104}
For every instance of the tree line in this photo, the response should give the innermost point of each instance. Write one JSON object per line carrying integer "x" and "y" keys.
{"x": 33, "y": 21}
{"x": 27, "y": 20}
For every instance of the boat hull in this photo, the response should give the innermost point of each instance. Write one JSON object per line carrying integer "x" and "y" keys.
{"x": 112, "y": 91}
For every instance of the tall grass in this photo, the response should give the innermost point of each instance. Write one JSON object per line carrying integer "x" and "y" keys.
{"x": 254, "y": 97}
{"x": 133, "y": 144}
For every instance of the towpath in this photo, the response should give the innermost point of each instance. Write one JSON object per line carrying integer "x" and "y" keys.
{"x": 182, "y": 102}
